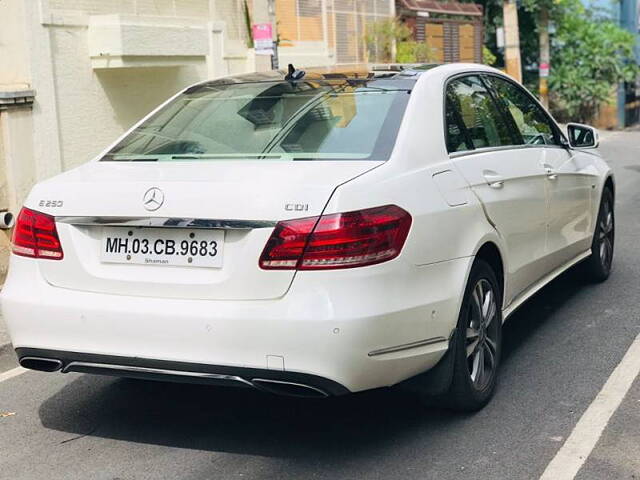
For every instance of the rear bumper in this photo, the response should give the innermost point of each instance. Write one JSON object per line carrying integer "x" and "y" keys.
{"x": 341, "y": 331}
{"x": 281, "y": 382}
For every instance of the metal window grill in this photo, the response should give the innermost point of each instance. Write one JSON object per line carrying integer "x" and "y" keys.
{"x": 340, "y": 23}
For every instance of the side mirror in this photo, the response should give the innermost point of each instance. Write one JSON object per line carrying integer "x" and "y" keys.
{"x": 582, "y": 136}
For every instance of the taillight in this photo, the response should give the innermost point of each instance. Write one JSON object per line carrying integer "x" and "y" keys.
{"x": 35, "y": 235}
{"x": 339, "y": 240}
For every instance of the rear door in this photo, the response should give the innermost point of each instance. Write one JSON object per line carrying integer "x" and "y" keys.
{"x": 508, "y": 179}
{"x": 568, "y": 174}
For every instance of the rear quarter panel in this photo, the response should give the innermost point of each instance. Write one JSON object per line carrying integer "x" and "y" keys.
{"x": 446, "y": 225}
{"x": 442, "y": 228}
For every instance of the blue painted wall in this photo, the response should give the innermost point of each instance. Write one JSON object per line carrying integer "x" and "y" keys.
{"x": 610, "y": 8}
{"x": 627, "y": 14}
{"x": 624, "y": 12}
{"x": 629, "y": 11}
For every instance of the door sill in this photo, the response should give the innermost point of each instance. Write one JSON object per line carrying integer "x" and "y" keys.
{"x": 523, "y": 297}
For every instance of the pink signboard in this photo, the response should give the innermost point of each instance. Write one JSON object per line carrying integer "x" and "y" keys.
{"x": 262, "y": 38}
{"x": 544, "y": 70}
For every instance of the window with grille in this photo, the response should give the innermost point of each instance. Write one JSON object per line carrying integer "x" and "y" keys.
{"x": 341, "y": 23}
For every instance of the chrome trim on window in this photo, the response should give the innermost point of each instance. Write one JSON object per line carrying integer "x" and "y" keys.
{"x": 501, "y": 148}
{"x": 167, "y": 222}
{"x": 407, "y": 346}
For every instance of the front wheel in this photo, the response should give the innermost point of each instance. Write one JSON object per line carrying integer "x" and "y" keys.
{"x": 478, "y": 340}
{"x": 598, "y": 265}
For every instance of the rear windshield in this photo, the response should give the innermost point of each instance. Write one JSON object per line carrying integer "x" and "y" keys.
{"x": 306, "y": 120}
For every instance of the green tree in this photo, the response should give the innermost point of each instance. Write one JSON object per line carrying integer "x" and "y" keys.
{"x": 414, "y": 52}
{"x": 381, "y": 38}
{"x": 542, "y": 11}
{"x": 590, "y": 57}
{"x": 488, "y": 58}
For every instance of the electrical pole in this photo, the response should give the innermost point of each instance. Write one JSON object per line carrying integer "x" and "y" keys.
{"x": 512, "y": 39}
{"x": 545, "y": 65}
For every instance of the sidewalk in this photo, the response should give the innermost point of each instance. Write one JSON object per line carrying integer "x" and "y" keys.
{"x": 4, "y": 336}
{"x": 7, "y": 357}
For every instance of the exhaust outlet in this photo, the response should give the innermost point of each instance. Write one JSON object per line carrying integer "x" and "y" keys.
{"x": 41, "y": 364}
{"x": 6, "y": 220}
{"x": 290, "y": 389}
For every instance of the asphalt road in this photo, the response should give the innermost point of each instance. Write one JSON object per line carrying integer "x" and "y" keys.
{"x": 559, "y": 351}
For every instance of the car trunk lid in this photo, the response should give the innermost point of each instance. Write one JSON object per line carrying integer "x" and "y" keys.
{"x": 241, "y": 201}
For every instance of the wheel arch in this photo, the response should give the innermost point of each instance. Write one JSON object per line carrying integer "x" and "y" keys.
{"x": 611, "y": 184}
{"x": 490, "y": 252}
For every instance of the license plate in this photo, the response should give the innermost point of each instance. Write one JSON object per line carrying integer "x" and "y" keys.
{"x": 163, "y": 246}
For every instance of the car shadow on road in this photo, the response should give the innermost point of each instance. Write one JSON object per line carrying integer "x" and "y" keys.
{"x": 543, "y": 311}
{"x": 244, "y": 421}
{"x": 235, "y": 420}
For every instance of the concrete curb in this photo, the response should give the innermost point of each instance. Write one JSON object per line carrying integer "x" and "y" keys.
{"x": 8, "y": 358}
{"x": 4, "y": 336}
{"x": 5, "y": 349}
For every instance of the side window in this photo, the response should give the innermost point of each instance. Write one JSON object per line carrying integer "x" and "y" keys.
{"x": 534, "y": 125}
{"x": 456, "y": 136}
{"x": 469, "y": 99}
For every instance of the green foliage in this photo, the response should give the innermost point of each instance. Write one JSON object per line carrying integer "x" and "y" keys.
{"x": 589, "y": 58}
{"x": 590, "y": 55}
{"x": 414, "y": 52}
{"x": 381, "y": 37}
{"x": 488, "y": 58}
{"x": 552, "y": 5}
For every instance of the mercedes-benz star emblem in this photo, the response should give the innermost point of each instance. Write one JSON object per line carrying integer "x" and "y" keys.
{"x": 153, "y": 199}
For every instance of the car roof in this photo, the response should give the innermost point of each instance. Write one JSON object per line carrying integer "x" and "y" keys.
{"x": 356, "y": 71}
{"x": 406, "y": 72}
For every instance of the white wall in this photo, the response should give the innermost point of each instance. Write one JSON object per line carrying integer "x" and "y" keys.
{"x": 96, "y": 105}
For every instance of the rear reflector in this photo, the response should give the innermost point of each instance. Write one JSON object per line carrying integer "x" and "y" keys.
{"x": 35, "y": 236}
{"x": 339, "y": 240}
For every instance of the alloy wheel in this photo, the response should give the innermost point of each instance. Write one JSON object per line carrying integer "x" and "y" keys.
{"x": 481, "y": 335}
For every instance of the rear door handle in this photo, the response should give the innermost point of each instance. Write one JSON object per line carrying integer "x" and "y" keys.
{"x": 493, "y": 179}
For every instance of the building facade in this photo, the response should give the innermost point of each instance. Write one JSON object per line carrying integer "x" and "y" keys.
{"x": 327, "y": 32}
{"x": 453, "y": 31}
{"x": 629, "y": 93}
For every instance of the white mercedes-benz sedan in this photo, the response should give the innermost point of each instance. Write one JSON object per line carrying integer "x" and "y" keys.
{"x": 311, "y": 234}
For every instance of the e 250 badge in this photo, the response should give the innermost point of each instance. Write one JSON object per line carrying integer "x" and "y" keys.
{"x": 51, "y": 203}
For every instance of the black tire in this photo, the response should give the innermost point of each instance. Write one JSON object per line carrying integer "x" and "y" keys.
{"x": 598, "y": 266}
{"x": 468, "y": 393}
